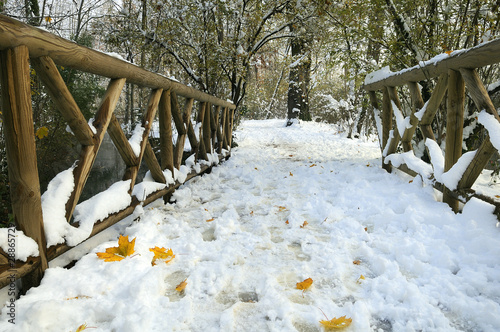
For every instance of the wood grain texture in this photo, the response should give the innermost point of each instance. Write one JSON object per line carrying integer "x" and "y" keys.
{"x": 62, "y": 98}
{"x": 165, "y": 120}
{"x": 454, "y": 128}
{"x": 21, "y": 151}
{"x": 68, "y": 54}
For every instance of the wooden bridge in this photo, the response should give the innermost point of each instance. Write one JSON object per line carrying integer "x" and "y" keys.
{"x": 454, "y": 71}
{"x": 21, "y": 46}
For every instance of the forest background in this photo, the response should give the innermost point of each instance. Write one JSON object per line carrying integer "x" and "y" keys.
{"x": 291, "y": 59}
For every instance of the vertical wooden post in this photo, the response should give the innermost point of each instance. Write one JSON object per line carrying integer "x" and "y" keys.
{"x": 166, "y": 147}
{"x": 190, "y": 131}
{"x": 393, "y": 144}
{"x": 230, "y": 125}
{"x": 181, "y": 130}
{"x": 218, "y": 131}
{"x": 386, "y": 124}
{"x": 213, "y": 125}
{"x": 21, "y": 153}
{"x": 454, "y": 128}
{"x": 207, "y": 132}
{"x": 201, "y": 119}
{"x": 224, "y": 127}
{"x": 417, "y": 104}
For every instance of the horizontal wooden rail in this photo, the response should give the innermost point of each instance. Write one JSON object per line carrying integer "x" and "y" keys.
{"x": 456, "y": 73}
{"x": 21, "y": 46}
{"x": 476, "y": 57}
{"x": 66, "y": 53}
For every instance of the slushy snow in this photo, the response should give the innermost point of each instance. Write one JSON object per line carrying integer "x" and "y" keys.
{"x": 238, "y": 243}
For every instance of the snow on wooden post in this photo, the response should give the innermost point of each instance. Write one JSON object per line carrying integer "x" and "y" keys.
{"x": 393, "y": 95}
{"x": 417, "y": 105}
{"x": 181, "y": 130}
{"x": 166, "y": 146}
{"x": 454, "y": 128}
{"x": 89, "y": 152}
{"x": 21, "y": 153}
{"x": 190, "y": 131}
{"x": 147, "y": 120}
{"x": 386, "y": 124}
{"x": 478, "y": 93}
{"x": 202, "y": 153}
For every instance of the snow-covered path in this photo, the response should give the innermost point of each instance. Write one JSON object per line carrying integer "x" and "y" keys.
{"x": 241, "y": 241}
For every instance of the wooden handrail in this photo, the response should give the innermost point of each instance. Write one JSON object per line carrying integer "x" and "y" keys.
{"x": 69, "y": 54}
{"x": 476, "y": 57}
{"x": 456, "y": 72}
{"x": 21, "y": 44}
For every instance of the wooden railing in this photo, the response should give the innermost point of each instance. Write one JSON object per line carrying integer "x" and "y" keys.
{"x": 454, "y": 72}
{"x": 21, "y": 46}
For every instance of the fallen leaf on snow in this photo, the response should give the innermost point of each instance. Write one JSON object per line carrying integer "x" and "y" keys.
{"x": 305, "y": 284}
{"x": 336, "y": 323}
{"x": 180, "y": 287}
{"x": 286, "y": 222}
{"x": 124, "y": 249}
{"x": 291, "y": 174}
{"x": 211, "y": 219}
{"x": 304, "y": 224}
{"x": 161, "y": 254}
{"x": 361, "y": 277}
{"x": 356, "y": 262}
{"x": 78, "y": 297}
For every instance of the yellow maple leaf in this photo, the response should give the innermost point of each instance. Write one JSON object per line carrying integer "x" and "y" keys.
{"x": 42, "y": 132}
{"x": 304, "y": 224}
{"x": 305, "y": 284}
{"x": 448, "y": 52}
{"x": 361, "y": 277}
{"x": 180, "y": 287}
{"x": 336, "y": 323}
{"x": 81, "y": 327}
{"x": 48, "y": 19}
{"x": 162, "y": 254}
{"x": 124, "y": 249}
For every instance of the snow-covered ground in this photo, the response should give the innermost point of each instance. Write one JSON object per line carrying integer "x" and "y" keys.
{"x": 237, "y": 238}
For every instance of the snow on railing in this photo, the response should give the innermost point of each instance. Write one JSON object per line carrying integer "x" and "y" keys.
{"x": 452, "y": 173}
{"x": 43, "y": 223}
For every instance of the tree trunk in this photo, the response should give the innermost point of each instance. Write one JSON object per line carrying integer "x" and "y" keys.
{"x": 298, "y": 83}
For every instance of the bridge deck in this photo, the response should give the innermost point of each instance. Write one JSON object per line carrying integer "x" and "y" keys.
{"x": 241, "y": 241}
